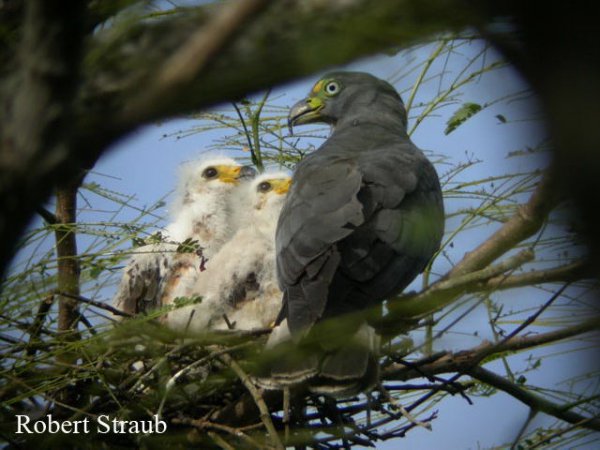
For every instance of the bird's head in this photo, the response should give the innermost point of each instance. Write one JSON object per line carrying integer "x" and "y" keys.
{"x": 204, "y": 196}
{"x": 215, "y": 174}
{"x": 347, "y": 95}
{"x": 269, "y": 190}
{"x": 259, "y": 205}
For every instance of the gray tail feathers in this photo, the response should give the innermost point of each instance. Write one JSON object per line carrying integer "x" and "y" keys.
{"x": 340, "y": 372}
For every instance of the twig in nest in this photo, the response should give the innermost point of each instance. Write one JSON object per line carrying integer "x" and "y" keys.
{"x": 265, "y": 416}
{"x": 180, "y": 373}
{"x": 220, "y": 441}
{"x": 205, "y": 424}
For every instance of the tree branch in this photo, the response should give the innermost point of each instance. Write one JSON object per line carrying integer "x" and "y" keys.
{"x": 447, "y": 362}
{"x": 35, "y": 118}
{"x": 67, "y": 257}
{"x": 195, "y": 55}
{"x": 97, "y": 304}
{"x": 534, "y": 401}
{"x": 445, "y": 291}
{"x": 527, "y": 221}
{"x": 265, "y": 416}
{"x": 567, "y": 273}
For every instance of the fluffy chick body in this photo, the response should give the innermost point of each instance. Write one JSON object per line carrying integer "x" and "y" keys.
{"x": 201, "y": 211}
{"x": 239, "y": 288}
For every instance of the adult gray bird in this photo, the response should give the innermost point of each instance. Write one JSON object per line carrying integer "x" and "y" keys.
{"x": 201, "y": 216}
{"x": 363, "y": 218}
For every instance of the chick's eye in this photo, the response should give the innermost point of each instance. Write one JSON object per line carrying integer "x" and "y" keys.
{"x": 332, "y": 88}
{"x": 210, "y": 172}
{"x": 265, "y": 186}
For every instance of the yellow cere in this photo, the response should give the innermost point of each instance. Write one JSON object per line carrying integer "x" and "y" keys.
{"x": 317, "y": 87}
{"x": 281, "y": 185}
{"x": 315, "y": 103}
{"x": 228, "y": 174}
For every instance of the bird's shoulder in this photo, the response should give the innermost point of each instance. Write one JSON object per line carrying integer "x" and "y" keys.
{"x": 340, "y": 188}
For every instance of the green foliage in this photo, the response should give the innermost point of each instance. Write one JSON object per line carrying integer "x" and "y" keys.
{"x": 135, "y": 368}
{"x": 461, "y": 115}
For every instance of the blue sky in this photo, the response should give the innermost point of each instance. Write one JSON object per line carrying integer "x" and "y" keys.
{"x": 144, "y": 166}
{"x": 156, "y": 158}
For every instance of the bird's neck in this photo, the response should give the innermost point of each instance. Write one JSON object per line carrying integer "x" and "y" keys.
{"x": 371, "y": 126}
{"x": 204, "y": 220}
{"x": 382, "y": 113}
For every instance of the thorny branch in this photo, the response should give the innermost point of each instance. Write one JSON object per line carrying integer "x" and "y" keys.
{"x": 527, "y": 221}
{"x": 532, "y": 400}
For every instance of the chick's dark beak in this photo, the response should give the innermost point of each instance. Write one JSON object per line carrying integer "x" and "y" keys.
{"x": 247, "y": 172}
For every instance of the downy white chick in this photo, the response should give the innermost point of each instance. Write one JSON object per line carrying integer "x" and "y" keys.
{"x": 201, "y": 211}
{"x": 239, "y": 287}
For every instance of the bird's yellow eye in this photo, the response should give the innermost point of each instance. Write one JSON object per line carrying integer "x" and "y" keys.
{"x": 265, "y": 186}
{"x": 332, "y": 88}
{"x": 210, "y": 172}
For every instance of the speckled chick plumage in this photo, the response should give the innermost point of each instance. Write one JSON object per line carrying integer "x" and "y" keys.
{"x": 239, "y": 287}
{"x": 201, "y": 211}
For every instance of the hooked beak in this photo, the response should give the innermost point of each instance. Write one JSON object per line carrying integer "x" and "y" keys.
{"x": 305, "y": 111}
{"x": 247, "y": 172}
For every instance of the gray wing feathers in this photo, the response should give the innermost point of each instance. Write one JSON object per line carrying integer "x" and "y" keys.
{"x": 323, "y": 209}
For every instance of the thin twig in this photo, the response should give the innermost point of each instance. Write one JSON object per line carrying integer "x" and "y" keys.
{"x": 97, "y": 304}
{"x": 265, "y": 416}
{"x": 255, "y": 122}
{"x": 204, "y": 424}
{"x": 396, "y": 405}
{"x": 528, "y": 220}
{"x": 534, "y": 316}
{"x": 444, "y": 292}
{"x": 458, "y": 361}
{"x": 84, "y": 320}
{"x": 48, "y": 217}
{"x": 559, "y": 433}
{"x": 534, "y": 401}
{"x": 37, "y": 325}
{"x": 246, "y": 133}
{"x": 567, "y": 273}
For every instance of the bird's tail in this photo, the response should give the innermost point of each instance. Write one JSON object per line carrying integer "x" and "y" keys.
{"x": 351, "y": 369}
{"x": 340, "y": 372}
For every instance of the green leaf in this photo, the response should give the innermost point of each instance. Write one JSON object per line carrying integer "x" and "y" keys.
{"x": 188, "y": 246}
{"x": 461, "y": 115}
